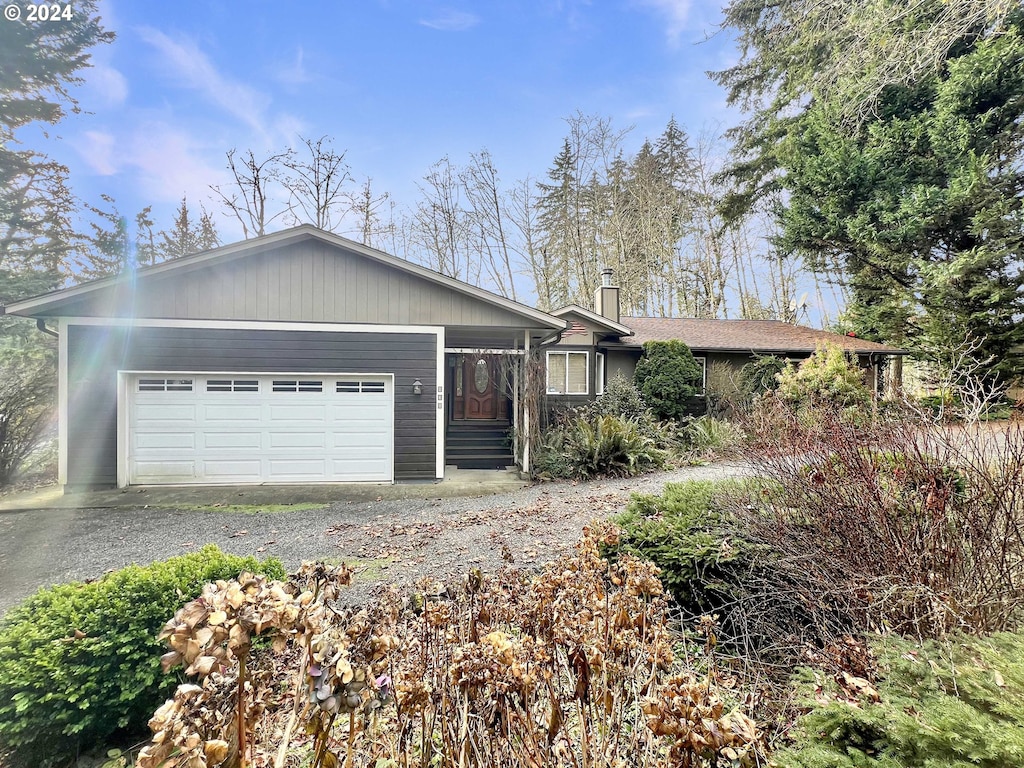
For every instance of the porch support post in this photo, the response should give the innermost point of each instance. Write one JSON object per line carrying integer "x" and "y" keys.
{"x": 515, "y": 408}
{"x": 526, "y": 402}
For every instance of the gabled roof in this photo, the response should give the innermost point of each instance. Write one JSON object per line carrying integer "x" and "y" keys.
{"x": 750, "y": 336}
{"x": 49, "y": 302}
{"x": 593, "y": 318}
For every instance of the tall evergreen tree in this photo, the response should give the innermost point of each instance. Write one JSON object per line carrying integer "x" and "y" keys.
{"x": 906, "y": 174}
{"x": 186, "y": 234}
{"x": 38, "y": 64}
{"x": 108, "y": 249}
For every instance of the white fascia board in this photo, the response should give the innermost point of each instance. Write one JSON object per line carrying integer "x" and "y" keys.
{"x": 258, "y": 325}
{"x": 440, "y": 384}
{"x": 62, "y": 403}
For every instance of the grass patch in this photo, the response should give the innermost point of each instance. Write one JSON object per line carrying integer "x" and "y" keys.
{"x": 244, "y": 509}
{"x": 363, "y": 570}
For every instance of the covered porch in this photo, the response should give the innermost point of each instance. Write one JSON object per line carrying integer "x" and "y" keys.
{"x": 489, "y": 415}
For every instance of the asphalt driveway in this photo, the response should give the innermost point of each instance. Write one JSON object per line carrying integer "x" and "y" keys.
{"x": 396, "y": 540}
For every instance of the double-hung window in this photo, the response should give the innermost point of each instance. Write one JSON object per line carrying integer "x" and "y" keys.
{"x": 567, "y": 373}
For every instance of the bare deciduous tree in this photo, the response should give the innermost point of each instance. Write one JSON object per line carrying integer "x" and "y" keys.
{"x": 365, "y": 206}
{"x": 316, "y": 184}
{"x": 246, "y": 199}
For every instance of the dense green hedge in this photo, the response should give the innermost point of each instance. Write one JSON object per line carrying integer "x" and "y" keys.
{"x": 80, "y": 662}
{"x": 669, "y": 378}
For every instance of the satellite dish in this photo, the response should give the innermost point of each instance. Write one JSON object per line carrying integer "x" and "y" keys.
{"x": 803, "y": 301}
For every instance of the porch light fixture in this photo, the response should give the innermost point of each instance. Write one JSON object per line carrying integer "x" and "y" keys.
{"x": 417, "y": 387}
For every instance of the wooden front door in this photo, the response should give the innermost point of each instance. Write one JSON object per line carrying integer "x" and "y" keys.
{"x": 478, "y": 383}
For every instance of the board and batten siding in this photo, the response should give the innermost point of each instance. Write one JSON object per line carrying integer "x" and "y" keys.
{"x": 308, "y": 281}
{"x": 96, "y": 353}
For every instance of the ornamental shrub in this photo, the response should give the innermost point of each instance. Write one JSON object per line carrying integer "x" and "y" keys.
{"x": 668, "y": 377}
{"x": 621, "y": 398}
{"x": 956, "y": 704}
{"x": 827, "y": 377}
{"x": 80, "y": 662}
{"x": 760, "y": 376}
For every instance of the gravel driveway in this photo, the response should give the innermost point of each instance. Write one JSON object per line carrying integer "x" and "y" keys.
{"x": 396, "y": 540}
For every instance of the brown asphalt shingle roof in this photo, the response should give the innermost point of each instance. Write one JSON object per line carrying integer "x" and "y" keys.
{"x": 761, "y": 336}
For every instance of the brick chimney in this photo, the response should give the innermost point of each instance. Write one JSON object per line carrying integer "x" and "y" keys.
{"x": 606, "y": 301}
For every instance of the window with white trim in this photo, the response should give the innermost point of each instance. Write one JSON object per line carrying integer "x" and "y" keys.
{"x": 359, "y": 386}
{"x": 165, "y": 385}
{"x": 297, "y": 385}
{"x": 567, "y": 373}
{"x": 232, "y": 385}
{"x": 599, "y": 373}
{"x": 703, "y": 363}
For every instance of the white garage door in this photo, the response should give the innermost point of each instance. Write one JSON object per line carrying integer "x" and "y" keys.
{"x": 280, "y": 428}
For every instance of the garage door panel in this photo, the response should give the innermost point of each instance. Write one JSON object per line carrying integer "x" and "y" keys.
{"x": 297, "y": 469}
{"x": 359, "y": 441}
{"x": 304, "y": 440}
{"x": 231, "y": 413}
{"x": 215, "y": 440}
{"x": 266, "y": 428}
{"x": 232, "y": 470}
{"x": 166, "y": 471}
{"x": 175, "y": 413}
{"x": 292, "y": 413}
{"x": 165, "y": 440}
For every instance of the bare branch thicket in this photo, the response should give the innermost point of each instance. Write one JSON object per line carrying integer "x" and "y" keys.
{"x": 915, "y": 525}
{"x": 315, "y": 181}
{"x": 957, "y": 373}
{"x": 439, "y": 227}
{"x": 27, "y": 397}
{"x": 367, "y": 207}
{"x": 247, "y": 197}
{"x": 522, "y": 215}
{"x": 488, "y": 215}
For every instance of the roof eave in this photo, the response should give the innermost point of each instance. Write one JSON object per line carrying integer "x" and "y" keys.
{"x": 638, "y": 346}
{"x": 595, "y": 318}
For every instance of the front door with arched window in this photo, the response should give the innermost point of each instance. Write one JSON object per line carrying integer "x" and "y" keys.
{"x": 477, "y": 388}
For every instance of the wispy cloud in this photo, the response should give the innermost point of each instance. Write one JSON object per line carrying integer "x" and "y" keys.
{"x": 193, "y": 68}
{"x": 294, "y": 73}
{"x": 108, "y": 86}
{"x": 97, "y": 149}
{"x": 450, "y": 20}
{"x": 676, "y": 14}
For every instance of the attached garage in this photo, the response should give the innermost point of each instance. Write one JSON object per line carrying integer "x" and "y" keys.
{"x": 268, "y": 428}
{"x": 296, "y": 357}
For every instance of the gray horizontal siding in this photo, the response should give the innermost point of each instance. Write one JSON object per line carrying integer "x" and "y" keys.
{"x": 96, "y": 353}
{"x": 309, "y": 281}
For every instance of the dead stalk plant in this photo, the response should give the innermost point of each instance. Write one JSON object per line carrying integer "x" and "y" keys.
{"x": 570, "y": 669}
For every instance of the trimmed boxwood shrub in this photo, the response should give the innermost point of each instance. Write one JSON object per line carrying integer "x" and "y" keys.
{"x": 80, "y": 662}
{"x": 668, "y": 377}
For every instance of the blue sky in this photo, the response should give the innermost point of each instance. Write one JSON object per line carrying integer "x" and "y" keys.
{"x": 398, "y": 83}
